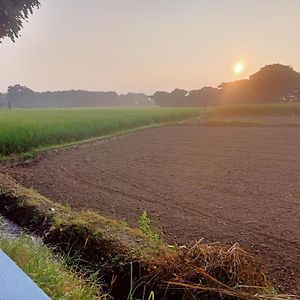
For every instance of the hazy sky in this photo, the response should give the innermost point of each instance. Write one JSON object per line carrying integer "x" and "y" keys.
{"x": 149, "y": 45}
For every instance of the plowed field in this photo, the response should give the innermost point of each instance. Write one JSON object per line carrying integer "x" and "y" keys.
{"x": 224, "y": 184}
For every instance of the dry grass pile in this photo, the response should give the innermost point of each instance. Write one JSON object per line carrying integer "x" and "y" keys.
{"x": 206, "y": 271}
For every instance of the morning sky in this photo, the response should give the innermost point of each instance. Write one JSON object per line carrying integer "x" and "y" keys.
{"x": 149, "y": 45}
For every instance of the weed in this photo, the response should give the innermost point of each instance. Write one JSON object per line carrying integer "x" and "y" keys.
{"x": 145, "y": 227}
{"x": 151, "y": 296}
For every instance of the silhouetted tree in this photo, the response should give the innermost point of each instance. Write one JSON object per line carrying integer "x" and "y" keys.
{"x": 176, "y": 98}
{"x": 23, "y": 97}
{"x": 12, "y": 15}
{"x": 16, "y": 94}
{"x": 207, "y": 96}
{"x": 162, "y": 98}
{"x": 1, "y": 100}
{"x": 135, "y": 99}
{"x": 272, "y": 83}
{"x": 236, "y": 92}
{"x": 179, "y": 98}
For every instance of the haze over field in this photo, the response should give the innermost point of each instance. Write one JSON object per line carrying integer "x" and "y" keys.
{"x": 146, "y": 46}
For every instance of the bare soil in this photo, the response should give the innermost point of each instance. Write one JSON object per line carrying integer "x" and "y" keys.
{"x": 223, "y": 184}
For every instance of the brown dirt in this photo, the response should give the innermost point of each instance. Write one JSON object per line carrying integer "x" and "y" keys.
{"x": 224, "y": 184}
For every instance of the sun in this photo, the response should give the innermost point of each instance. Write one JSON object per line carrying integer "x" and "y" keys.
{"x": 239, "y": 68}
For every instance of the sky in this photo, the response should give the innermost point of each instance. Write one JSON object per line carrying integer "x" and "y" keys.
{"x": 149, "y": 45}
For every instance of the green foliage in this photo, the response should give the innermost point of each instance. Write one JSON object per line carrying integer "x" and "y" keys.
{"x": 12, "y": 15}
{"x": 49, "y": 272}
{"x": 145, "y": 227}
{"x": 26, "y": 130}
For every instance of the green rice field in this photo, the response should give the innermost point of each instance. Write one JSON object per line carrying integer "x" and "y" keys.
{"x": 26, "y": 130}
{"x": 23, "y": 131}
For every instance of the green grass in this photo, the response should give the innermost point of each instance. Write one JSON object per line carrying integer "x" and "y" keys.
{"x": 258, "y": 109}
{"x": 26, "y": 130}
{"x": 49, "y": 272}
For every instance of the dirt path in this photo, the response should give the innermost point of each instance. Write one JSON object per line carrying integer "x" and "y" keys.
{"x": 223, "y": 184}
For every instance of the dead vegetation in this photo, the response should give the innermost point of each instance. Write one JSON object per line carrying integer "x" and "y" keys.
{"x": 209, "y": 271}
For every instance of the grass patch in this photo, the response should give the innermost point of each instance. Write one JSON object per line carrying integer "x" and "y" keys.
{"x": 49, "y": 272}
{"x": 284, "y": 109}
{"x": 26, "y": 130}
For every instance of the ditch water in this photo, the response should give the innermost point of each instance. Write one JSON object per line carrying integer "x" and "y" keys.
{"x": 9, "y": 229}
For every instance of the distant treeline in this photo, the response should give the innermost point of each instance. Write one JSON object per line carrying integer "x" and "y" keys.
{"x": 273, "y": 83}
{"x": 22, "y": 97}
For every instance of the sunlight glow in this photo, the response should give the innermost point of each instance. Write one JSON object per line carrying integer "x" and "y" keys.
{"x": 239, "y": 68}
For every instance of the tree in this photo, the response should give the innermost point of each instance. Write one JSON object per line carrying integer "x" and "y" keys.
{"x": 272, "y": 83}
{"x": 179, "y": 98}
{"x": 162, "y": 98}
{"x": 207, "y": 96}
{"x": 12, "y": 15}
{"x": 176, "y": 98}
{"x": 16, "y": 94}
